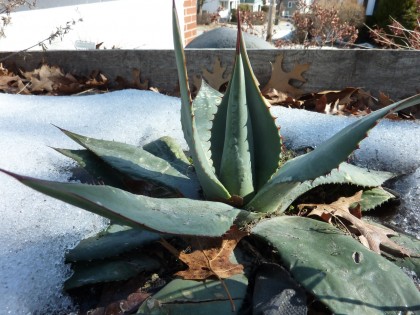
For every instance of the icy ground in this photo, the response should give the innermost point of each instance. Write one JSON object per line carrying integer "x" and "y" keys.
{"x": 123, "y": 24}
{"x": 35, "y": 230}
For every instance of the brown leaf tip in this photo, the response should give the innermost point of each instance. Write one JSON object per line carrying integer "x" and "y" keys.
{"x": 239, "y": 34}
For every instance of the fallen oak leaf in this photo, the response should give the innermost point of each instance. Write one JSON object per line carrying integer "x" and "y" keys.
{"x": 42, "y": 85}
{"x": 321, "y": 104}
{"x": 275, "y": 97}
{"x": 136, "y": 73}
{"x": 136, "y": 82}
{"x": 371, "y": 235}
{"x": 215, "y": 79}
{"x": 7, "y": 82}
{"x": 280, "y": 79}
{"x": 210, "y": 256}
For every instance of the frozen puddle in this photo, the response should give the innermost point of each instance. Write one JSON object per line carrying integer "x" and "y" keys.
{"x": 35, "y": 230}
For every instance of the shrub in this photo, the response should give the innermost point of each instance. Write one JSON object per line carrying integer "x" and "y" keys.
{"x": 403, "y": 11}
{"x": 204, "y": 19}
{"x": 396, "y": 34}
{"x": 265, "y": 8}
{"x": 244, "y": 7}
{"x": 318, "y": 24}
{"x": 249, "y": 19}
{"x": 233, "y": 15}
{"x": 398, "y": 37}
{"x": 352, "y": 12}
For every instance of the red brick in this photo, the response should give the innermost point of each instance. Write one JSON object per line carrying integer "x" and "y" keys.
{"x": 189, "y": 34}
{"x": 190, "y": 11}
{"x": 190, "y": 26}
{"x": 188, "y": 19}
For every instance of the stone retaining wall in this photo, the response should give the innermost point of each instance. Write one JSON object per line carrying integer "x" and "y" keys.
{"x": 397, "y": 73}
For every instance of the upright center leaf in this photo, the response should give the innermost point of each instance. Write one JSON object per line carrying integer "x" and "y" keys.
{"x": 245, "y": 142}
{"x": 236, "y": 171}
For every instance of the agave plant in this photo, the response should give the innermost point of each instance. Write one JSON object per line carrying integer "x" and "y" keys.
{"x": 237, "y": 177}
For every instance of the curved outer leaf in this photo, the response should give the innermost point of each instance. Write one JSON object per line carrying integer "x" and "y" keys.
{"x": 171, "y": 216}
{"x": 138, "y": 164}
{"x": 212, "y": 187}
{"x": 168, "y": 149}
{"x": 324, "y": 158}
{"x": 115, "y": 240}
{"x": 109, "y": 270}
{"x": 197, "y": 297}
{"x": 338, "y": 270}
{"x": 96, "y": 167}
{"x": 374, "y": 197}
{"x": 243, "y": 123}
{"x": 278, "y": 196}
{"x": 335, "y": 150}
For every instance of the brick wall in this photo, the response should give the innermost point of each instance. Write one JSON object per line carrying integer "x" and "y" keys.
{"x": 190, "y": 20}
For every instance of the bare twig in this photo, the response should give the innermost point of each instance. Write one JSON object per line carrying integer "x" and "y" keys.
{"x": 399, "y": 38}
{"x": 59, "y": 33}
{"x": 7, "y": 7}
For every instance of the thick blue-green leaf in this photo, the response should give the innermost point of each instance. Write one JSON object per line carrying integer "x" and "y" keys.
{"x": 171, "y": 216}
{"x": 189, "y": 297}
{"x": 115, "y": 240}
{"x": 338, "y": 270}
{"x": 138, "y": 164}
{"x": 236, "y": 171}
{"x": 277, "y": 196}
{"x": 205, "y": 107}
{"x": 109, "y": 270}
{"x": 375, "y": 197}
{"x": 334, "y": 151}
{"x": 212, "y": 187}
{"x": 98, "y": 169}
{"x": 243, "y": 123}
{"x": 168, "y": 149}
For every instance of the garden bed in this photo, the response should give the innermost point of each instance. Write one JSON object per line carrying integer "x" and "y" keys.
{"x": 37, "y": 230}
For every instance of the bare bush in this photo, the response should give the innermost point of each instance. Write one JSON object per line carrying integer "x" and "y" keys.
{"x": 319, "y": 25}
{"x": 399, "y": 38}
{"x": 209, "y": 18}
{"x": 351, "y": 12}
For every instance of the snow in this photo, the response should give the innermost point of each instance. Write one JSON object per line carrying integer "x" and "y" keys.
{"x": 124, "y": 24}
{"x": 35, "y": 230}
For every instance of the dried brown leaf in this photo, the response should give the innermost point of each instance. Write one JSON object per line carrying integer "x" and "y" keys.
{"x": 215, "y": 79}
{"x": 321, "y": 104}
{"x": 210, "y": 257}
{"x": 7, "y": 82}
{"x": 280, "y": 79}
{"x": 275, "y": 97}
{"x": 384, "y": 100}
{"x": 138, "y": 84}
{"x": 372, "y": 235}
{"x": 23, "y": 88}
{"x": 38, "y": 85}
